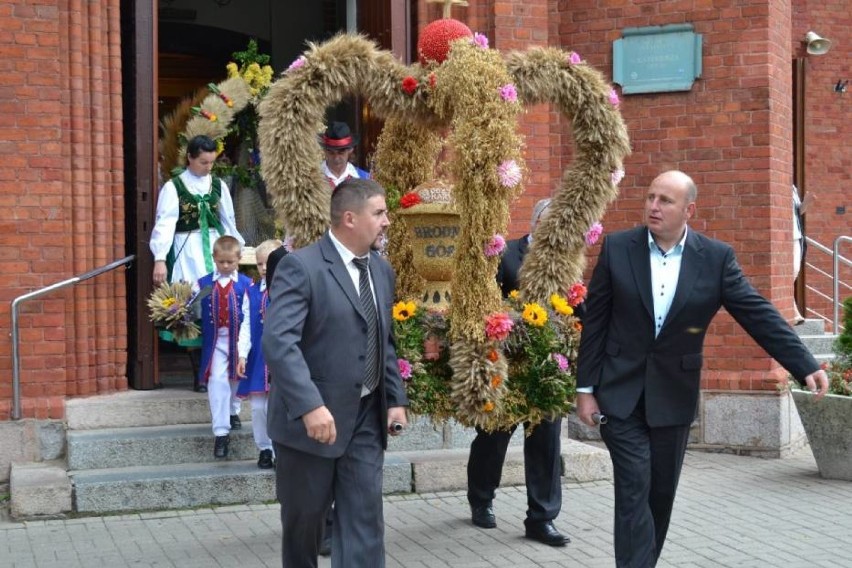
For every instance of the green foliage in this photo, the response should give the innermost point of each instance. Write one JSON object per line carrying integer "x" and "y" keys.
{"x": 840, "y": 369}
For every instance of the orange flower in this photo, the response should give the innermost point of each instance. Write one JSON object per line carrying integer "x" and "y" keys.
{"x": 488, "y": 406}
{"x": 496, "y": 381}
{"x": 578, "y": 326}
{"x": 493, "y": 356}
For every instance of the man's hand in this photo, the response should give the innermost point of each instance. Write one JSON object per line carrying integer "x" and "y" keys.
{"x": 587, "y": 405}
{"x": 817, "y": 383}
{"x": 396, "y": 414}
{"x": 159, "y": 272}
{"x": 320, "y": 425}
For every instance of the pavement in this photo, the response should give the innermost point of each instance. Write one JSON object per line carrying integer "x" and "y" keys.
{"x": 730, "y": 511}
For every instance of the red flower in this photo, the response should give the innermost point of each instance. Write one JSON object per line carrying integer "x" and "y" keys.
{"x": 409, "y": 200}
{"x": 576, "y": 294}
{"x": 433, "y": 80}
{"x": 409, "y": 85}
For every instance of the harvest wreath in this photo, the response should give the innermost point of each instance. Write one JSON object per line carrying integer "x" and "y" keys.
{"x": 475, "y": 94}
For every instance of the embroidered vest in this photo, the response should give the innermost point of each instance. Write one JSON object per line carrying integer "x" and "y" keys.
{"x": 198, "y": 211}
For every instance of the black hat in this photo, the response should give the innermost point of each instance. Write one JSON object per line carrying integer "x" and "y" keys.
{"x": 338, "y": 137}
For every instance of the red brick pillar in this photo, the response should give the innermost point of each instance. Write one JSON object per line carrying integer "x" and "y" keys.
{"x": 62, "y": 199}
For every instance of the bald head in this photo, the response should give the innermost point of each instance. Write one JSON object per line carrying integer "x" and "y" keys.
{"x": 678, "y": 178}
{"x": 670, "y": 203}
{"x": 539, "y": 211}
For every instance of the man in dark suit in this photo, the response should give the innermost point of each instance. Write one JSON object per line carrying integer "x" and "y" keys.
{"x": 336, "y": 389}
{"x": 652, "y": 296}
{"x": 542, "y": 448}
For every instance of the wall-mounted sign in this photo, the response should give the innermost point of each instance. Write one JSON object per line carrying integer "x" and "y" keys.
{"x": 656, "y": 59}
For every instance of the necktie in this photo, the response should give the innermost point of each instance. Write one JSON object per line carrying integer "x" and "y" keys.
{"x": 371, "y": 364}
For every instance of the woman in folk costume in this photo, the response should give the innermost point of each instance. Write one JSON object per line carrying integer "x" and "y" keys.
{"x": 193, "y": 210}
{"x": 338, "y": 144}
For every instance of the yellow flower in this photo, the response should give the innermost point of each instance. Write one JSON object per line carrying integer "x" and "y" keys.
{"x": 168, "y": 302}
{"x": 220, "y": 147}
{"x": 561, "y": 305}
{"x": 514, "y": 294}
{"x": 488, "y": 406}
{"x": 534, "y": 315}
{"x": 404, "y": 310}
{"x": 232, "y": 69}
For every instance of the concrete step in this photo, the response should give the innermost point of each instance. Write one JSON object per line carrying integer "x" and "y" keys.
{"x": 39, "y": 490}
{"x": 240, "y": 481}
{"x": 811, "y": 326}
{"x": 819, "y": 344}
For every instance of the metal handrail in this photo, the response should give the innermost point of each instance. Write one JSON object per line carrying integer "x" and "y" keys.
{"x": 16, "y": 363}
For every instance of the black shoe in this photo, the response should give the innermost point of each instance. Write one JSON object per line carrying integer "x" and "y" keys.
{"x": 546, "y": 533}
{"x": 483, "y": 516}
{"x": 235, "y": 422}
{"x": 220, "y": 447}
{"x": 325, "y": 546}
{"x": 265, "y": 460}
{"x": 199, "y": 388}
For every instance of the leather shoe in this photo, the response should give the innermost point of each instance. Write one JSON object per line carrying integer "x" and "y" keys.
{"x": 220, "y": 446}
{"x": 200, "y": 388}
{"x": 546, "y": 533}
{"x": 236, "y": 423}
{"x": 265, "y": 461}
{"x": 483, "y": 516}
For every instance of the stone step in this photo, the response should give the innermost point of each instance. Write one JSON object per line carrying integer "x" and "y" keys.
{"x": 819, "y": 344}
{"x": 39, "y": 490}
{"x": 811, "y": 326}
{"x": 228, "y": 482}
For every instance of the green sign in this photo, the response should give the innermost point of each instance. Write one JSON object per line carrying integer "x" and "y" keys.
{"x": 656, "y": 59}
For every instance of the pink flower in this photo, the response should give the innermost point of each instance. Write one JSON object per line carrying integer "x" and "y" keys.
{"x": 495, "y": 246}
{"x": 594, "y": 233}
{"x": 297, "y": 63}
{"x": 574, "y": 58}
{"x": 404, "y": 368}
{"x": 613, "y": 98}
{"x": 576, "y": 294}
{"x": 509, "y": 173}
{"x": 288, "y": 243}
{"x": 480, "y": 40}
{"x": 617, "y": 176}
{"x": 561, "y": 361}
{"x": 497, "y": 326}
{"x": 508, "y": 93}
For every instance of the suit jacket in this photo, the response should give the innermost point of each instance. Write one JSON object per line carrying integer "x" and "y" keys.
{"x": 619, "y": 354}
{"x": 510, "y": 264}
{"x": 315, "y": 344}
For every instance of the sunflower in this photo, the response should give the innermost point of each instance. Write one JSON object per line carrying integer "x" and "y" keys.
{"x": 534, "y": 315}
{"x": 404, "y": 310}
{"x": 561, "y": 305}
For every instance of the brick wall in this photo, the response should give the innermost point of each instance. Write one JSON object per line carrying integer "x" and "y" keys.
{"x": 61, "y": 199}
{"x": 828, "y": 158}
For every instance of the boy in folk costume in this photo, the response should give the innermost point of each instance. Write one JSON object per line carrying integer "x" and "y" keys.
{"x": 222, "y": 313}
{"x": 256, "y": 383}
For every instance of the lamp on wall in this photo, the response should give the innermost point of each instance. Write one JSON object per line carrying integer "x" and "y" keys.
{"x": 816, "y": 45}
{"x": 841, "y": 85}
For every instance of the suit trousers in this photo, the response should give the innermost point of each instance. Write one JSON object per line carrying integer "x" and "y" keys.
{"x": 306, "y": 485}
{"x": 646, "y": 469}
{"x": 542, "y": 468}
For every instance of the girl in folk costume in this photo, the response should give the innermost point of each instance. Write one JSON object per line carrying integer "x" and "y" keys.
{"x": 338, "y": 145}
{"x": 256, "y": 384}
{"x": 223, "y": 311}
{"x": 193, "y": 210}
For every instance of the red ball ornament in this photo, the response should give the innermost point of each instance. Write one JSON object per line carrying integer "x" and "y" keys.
{"x": 433, "y": 46}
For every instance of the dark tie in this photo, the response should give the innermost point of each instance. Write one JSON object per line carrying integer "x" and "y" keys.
{"x": 371, "y": 365}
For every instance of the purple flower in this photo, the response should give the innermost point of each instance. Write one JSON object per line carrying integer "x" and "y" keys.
{"x": 480, "y": 40}
{"x": 613, "y": 98}
{"x": 495, "y": 246}
{"x": 297, "y": 63}
{"x": 288, "y": 243}
{"x": 617, "y": 176}
{"x": 561, "y": 361}
{"x": 594, "y": 233}
{"x": 508, "y": 93}
{"x": 509, "y": 173}
{"x": 574, "y": 58}
{"x": 404, "y": 368}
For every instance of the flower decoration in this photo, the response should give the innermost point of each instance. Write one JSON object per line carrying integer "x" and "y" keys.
{"x": 576, "y": 294}
{"x": 617, "y": 176}
{"x": 509, "y": 93}
{"x": 409, "y": 85}
{"x": 495, "y": 246}
{"x": 433, "y": 43}
{"x": 561, "y": 305}
{"x": 574, "y": 58}
{"x": 409, "y": 200}
{"x": 493, "y": 355}
{"x": 561, "y": 361}
{"x": 496, "y": 381}
{"x": 488, "y": 406}
{"x": 288, "y": 243}
{"x": 480, "y": 40}
{"x": 405, "y": 369}
{"x": 594, "y": 233}
{"x": 534, "y": 314}
{"x": 514, "y": 294}
{"x": 613, "y": 98}
{"x": 509, "y": 173}
{"x": 404, "y": 310}
{"x": 433, "y": 80}
{"x": 298, "y": 63}
{"x": 498, "y": 326}
{"x": 173, "y": 309}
